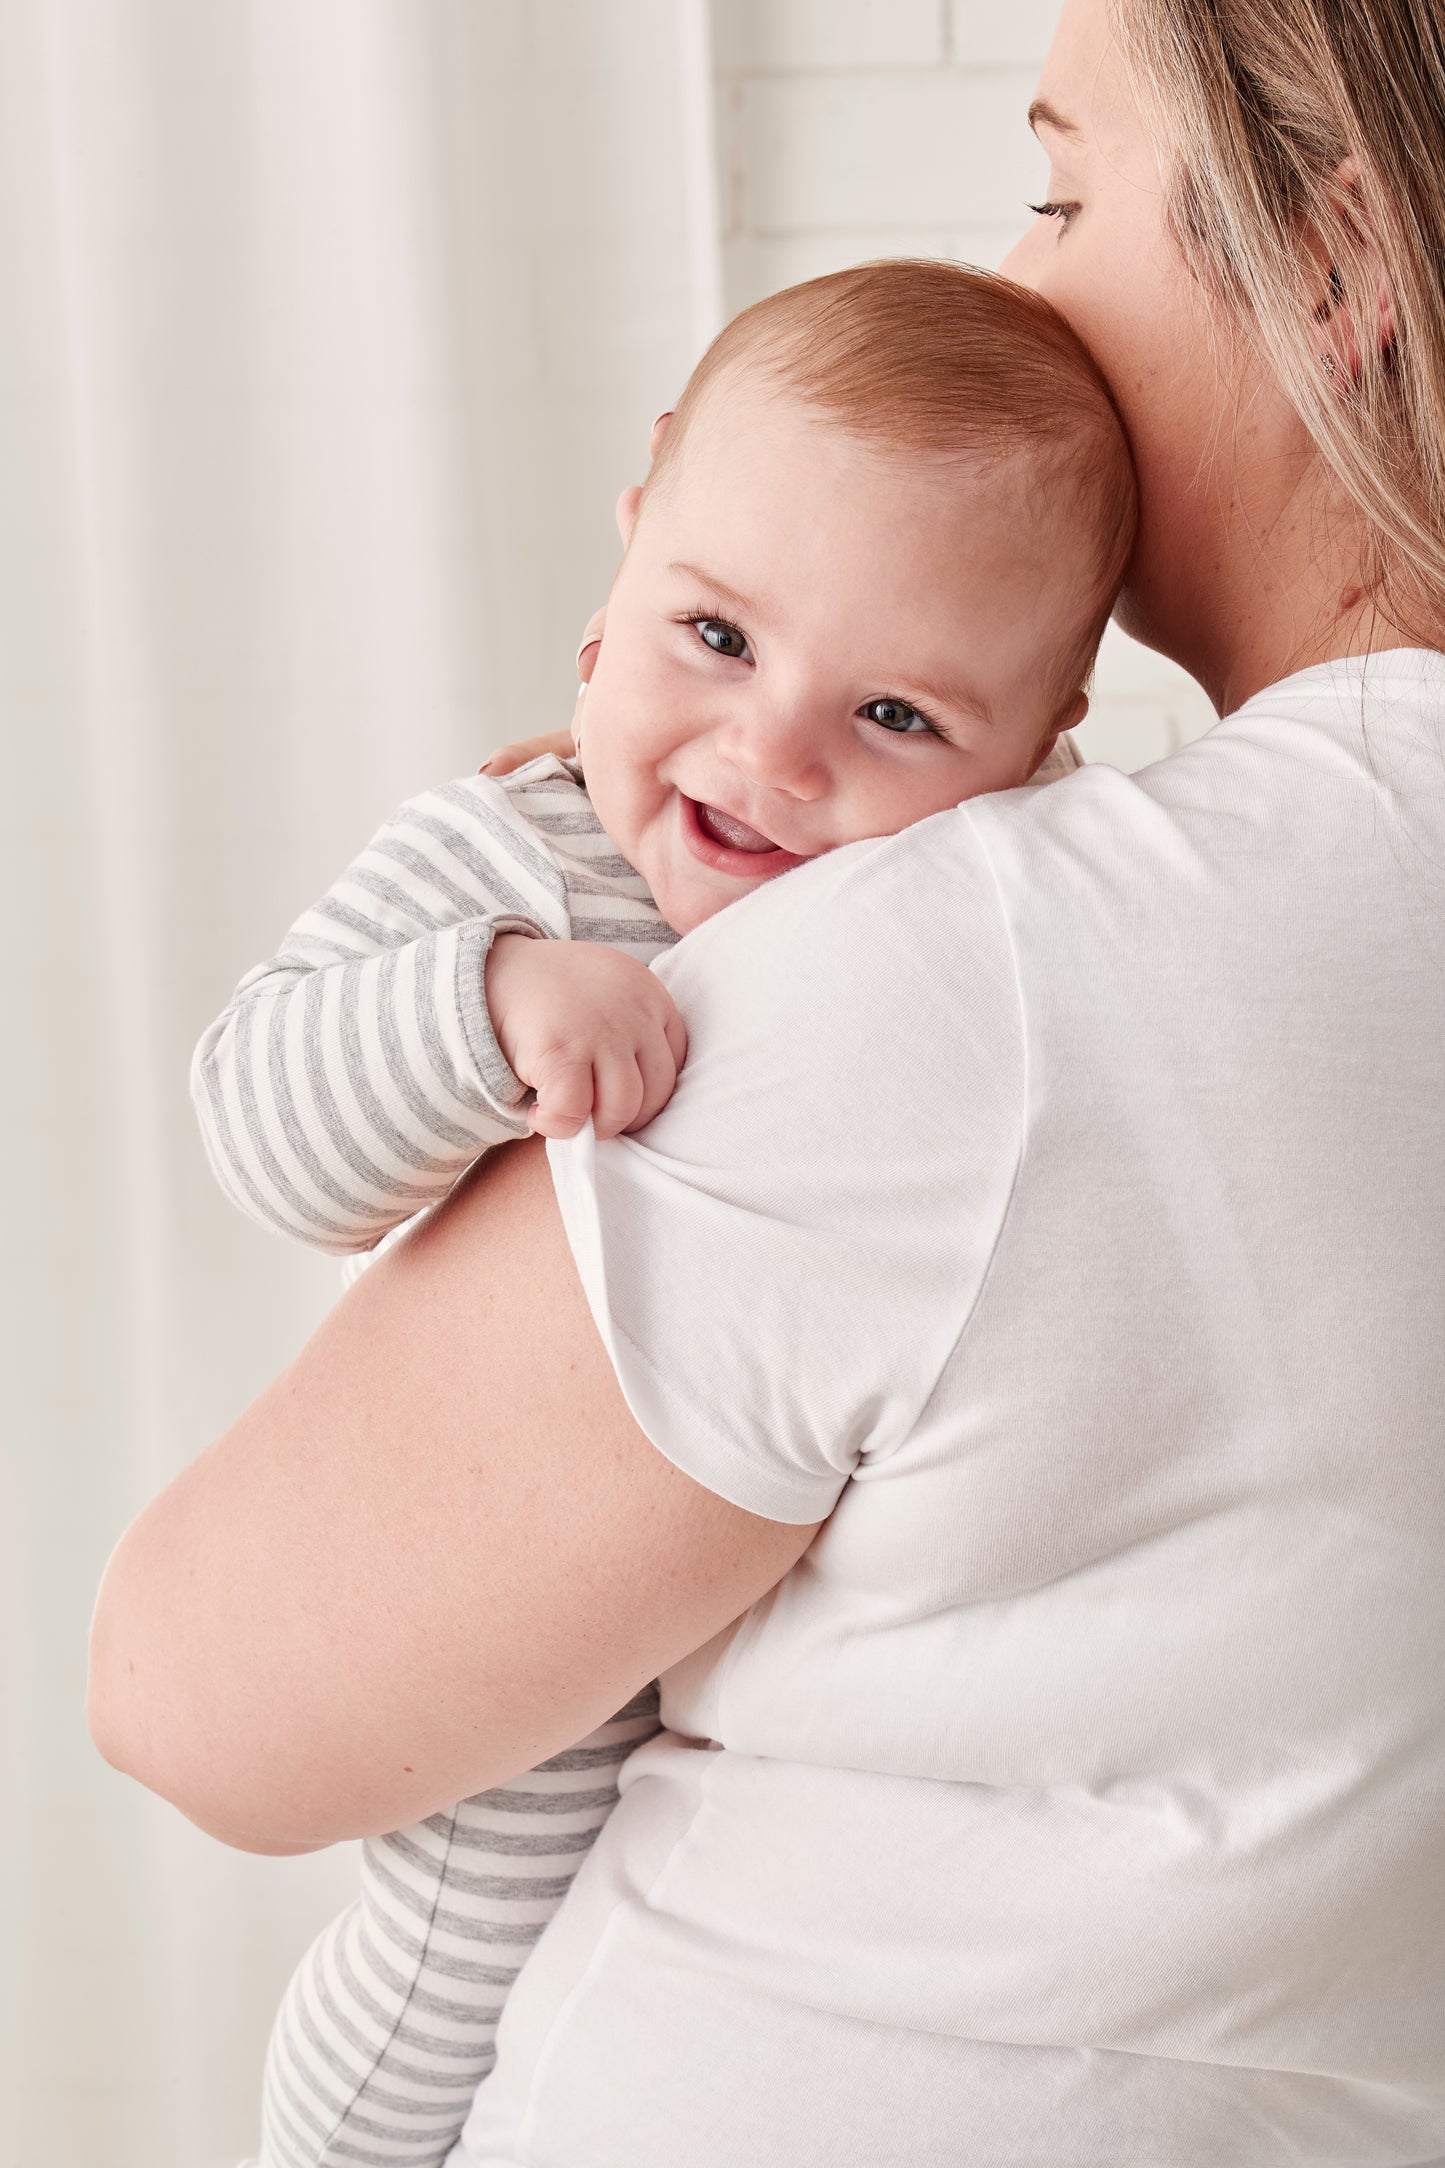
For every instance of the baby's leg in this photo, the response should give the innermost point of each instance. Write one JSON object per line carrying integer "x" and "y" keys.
{"x": 388, "y": 2026}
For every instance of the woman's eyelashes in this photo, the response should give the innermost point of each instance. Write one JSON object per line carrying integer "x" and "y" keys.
{"x": 1063, "y": 212}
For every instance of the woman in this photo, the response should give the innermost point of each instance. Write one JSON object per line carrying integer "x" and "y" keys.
{"x": 1033, "y": 1294}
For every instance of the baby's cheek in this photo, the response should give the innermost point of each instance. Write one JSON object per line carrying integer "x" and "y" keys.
{"x": 889, "y": 812}
{"x": 605, "y": 770}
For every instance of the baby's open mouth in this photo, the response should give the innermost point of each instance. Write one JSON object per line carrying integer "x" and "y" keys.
{"x": 727, "y": 845}
{"x": 733, "y": 834}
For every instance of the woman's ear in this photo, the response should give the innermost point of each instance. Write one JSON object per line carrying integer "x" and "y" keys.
{"x": 1341, "y": 348}
{"x": 1345, "y": 330}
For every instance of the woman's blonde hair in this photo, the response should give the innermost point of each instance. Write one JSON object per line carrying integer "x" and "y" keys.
{"x": 1260, "y": 103}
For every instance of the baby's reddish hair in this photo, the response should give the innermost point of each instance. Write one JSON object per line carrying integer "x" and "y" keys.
{"x": 940, "y": 359}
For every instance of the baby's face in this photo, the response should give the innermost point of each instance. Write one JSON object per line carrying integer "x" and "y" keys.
{"x": 811, "y": 641}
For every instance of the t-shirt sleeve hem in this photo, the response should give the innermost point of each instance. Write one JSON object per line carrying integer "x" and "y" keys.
{"x": 675, "y": 1424}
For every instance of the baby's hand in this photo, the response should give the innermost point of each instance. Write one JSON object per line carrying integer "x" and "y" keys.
{"x": 591, "y": 1030}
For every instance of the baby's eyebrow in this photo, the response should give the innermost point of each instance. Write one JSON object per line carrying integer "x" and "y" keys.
{"x": 954, "y": 693}
{"x": 715, "y": 586}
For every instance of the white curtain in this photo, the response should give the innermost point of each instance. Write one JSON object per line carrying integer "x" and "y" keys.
{"x": 329, "y": 330}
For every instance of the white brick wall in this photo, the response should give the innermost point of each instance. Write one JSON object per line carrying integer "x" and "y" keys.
{"x": 857, "y": 128}
{"x": 985, "y": 33}
{"x": 769, "y": 35}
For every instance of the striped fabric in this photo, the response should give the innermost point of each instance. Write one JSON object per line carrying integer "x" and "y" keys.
{"x": 350, "y": 1082}
{"x": 356, "y": 1075}
{"x": 387, "y": 2027}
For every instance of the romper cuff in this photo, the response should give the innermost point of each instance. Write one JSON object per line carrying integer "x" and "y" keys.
{"x": 504, "y": 1089}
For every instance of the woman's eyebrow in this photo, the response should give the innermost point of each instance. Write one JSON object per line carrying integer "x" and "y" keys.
{"x": 1044, "y": 115}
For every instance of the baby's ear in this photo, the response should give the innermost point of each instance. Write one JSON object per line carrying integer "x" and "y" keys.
{"x": 1071, "y": 718}
{"x": 1073, "y": 715}
{"x": 631, "y": 498}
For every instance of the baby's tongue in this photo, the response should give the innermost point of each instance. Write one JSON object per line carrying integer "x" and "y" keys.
{"x": 735, "y": 834}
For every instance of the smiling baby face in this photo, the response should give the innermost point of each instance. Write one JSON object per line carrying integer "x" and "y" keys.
{"x": 819, "y": 635}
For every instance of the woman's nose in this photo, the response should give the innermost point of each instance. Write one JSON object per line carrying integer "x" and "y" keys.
{"x": 780, "y": 749}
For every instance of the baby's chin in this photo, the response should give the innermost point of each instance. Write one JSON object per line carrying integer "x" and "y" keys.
{"x": 689, "y": 903}
{"x": 686, "y": 912}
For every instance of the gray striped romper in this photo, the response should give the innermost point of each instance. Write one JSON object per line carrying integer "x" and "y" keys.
{"x": 349, "y": 1083}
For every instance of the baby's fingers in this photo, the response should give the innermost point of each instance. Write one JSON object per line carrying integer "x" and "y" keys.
{"x": 564, "y": 1099}
{"x": 521, "y": 750}
{"x": 659, "y": 1066}
{"x": 619, "y": 1093}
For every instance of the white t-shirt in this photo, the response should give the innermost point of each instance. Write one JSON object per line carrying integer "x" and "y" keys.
{"x": 1057, "y": 1193}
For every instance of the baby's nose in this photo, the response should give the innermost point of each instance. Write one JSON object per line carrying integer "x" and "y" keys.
{"x": 781, "y": 749}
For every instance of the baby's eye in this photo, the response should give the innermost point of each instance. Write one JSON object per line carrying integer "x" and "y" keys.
{"x": 721, "y": 637}
{"x": 897, "y": 715}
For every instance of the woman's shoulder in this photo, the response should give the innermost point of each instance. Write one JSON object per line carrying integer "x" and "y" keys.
{"x": 1310, "y": 762}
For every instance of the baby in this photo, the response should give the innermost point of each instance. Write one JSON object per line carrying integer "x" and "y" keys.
{"x": 866, "y": 579}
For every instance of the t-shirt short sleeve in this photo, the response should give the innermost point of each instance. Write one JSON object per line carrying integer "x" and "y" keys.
{"x": 782, "y": 1263}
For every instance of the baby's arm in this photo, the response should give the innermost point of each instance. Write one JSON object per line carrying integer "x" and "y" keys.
{"x": 387, "y": 2027}
{"x": 356, "y": 1075}
{"x": 592, "y": 1033}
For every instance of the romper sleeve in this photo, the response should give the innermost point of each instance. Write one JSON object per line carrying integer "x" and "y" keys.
{"x": 356, "y": 1074}
{"x": 782, "y": 1262}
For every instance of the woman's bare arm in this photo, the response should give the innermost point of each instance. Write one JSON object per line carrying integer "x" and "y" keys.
{"x": 437, "y": 1550}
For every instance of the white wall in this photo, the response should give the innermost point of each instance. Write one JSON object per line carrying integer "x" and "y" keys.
{"x": 327, "y": 333}
{"x": 857, "y": 128}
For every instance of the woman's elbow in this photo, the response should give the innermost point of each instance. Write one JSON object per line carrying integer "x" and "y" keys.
{"x": 119, "y": 1741}
{"x": 144, "y": 1721}
{"x": 125, "y": 1734}
{"x": 112, "y": 1712}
